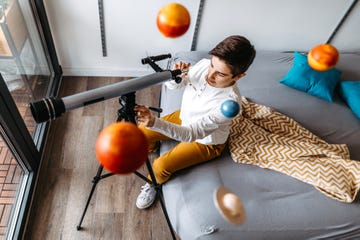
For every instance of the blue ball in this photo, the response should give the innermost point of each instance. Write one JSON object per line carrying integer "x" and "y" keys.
{"x": 230, "y": 108}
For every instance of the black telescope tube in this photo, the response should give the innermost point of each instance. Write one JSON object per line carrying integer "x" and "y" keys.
{"x": 51, "y": 108}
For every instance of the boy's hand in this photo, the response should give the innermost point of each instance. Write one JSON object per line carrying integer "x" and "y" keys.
{"x": 144, "y": 116}
{"x": 184, "y": 67}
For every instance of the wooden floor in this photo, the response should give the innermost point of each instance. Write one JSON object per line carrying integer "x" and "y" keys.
{"x": 68, "y": 167}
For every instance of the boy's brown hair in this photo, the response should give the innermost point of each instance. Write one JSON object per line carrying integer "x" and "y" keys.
{"x": 236, "y": 51}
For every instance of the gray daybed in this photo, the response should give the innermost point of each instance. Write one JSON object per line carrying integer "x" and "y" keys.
{"x": 277, "y": 205}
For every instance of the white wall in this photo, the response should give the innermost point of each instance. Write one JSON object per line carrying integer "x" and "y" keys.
{"x": 281, "y": 24}
{"x": 132, "y": 34}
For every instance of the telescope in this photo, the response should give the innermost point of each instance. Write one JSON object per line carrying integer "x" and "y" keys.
{"x": 51, "y": 108}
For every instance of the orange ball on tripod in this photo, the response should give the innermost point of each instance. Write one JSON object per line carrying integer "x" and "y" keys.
{"x": 121, "y": 148}
{"x": 173, "y": 20}
{"x": 323, "y": 57}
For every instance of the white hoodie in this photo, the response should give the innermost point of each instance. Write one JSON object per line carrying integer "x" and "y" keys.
{"x": 200, "y": 113}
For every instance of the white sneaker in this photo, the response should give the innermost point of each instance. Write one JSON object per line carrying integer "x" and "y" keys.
{"x": 146, "y": 197}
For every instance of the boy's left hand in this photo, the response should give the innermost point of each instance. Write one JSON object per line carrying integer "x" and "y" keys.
{"x": 181, "y": 65}
{"x": 184, "y": 67}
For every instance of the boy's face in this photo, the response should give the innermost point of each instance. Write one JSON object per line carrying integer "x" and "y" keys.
{"x": 220, "y": 75}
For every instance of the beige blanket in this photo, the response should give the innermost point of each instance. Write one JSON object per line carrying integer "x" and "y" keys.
{"x": 269, "y": 139}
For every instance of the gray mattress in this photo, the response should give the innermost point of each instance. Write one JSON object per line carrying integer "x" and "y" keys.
{"x": 277, "y": 206}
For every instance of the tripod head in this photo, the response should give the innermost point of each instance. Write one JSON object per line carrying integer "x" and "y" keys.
{"x": 51, "y": 108}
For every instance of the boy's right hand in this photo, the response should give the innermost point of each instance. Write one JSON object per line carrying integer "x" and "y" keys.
{"x": 144, "y": 116}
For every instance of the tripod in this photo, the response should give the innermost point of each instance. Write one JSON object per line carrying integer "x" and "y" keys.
{"x": 127, "y": 113}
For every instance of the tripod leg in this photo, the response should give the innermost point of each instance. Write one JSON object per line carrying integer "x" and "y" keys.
{"x": 160, "y": 196}
{"x": 95, "y": 181}
{"x": 161, "y": 199}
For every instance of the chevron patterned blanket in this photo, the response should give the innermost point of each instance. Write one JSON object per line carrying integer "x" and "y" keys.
{"x": 266, "y": 138}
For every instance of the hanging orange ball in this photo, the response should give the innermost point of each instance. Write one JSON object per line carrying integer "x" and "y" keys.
{"x": 121, "y": 148}
{"x": 173, "y": 20}
{"x": 323, "y": 57}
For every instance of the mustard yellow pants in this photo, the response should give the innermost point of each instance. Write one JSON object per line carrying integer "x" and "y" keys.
{"x": 182, "y": 155}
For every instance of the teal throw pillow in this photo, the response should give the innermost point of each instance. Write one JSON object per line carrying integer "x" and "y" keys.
{"x": 302, "y": 77}
{"x": 350, "y": 92}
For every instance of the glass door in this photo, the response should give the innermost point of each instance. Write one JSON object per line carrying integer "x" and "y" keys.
{"x": 26, "y": 75}
{"x": 19, "y": 161}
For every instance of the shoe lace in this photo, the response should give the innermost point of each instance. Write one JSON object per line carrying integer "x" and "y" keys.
{"x": 146, "y": 188}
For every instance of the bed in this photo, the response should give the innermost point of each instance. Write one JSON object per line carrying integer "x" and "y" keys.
{"x": 278, "y": 206}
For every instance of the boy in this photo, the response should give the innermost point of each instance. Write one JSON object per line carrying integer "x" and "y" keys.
{"x": 199, "y": 125}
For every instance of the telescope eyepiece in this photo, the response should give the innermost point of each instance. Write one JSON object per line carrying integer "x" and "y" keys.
{"x": 175, "y": 75}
